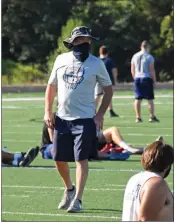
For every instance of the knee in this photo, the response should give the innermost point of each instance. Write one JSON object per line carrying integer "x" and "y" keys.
{"x": 60, "y": 164}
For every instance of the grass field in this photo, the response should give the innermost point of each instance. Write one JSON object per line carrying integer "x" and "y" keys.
{"x": 32, "y": 194}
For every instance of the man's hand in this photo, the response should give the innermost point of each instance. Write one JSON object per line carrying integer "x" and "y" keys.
{"x": 98, "y": 119}
{"x": 49, "y": 119}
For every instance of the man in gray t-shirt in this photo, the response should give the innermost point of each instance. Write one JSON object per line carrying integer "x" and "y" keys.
{"x": 74, "y": 76}
{"x": 143, "y": 73}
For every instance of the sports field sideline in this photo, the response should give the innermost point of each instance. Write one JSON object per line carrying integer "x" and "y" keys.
{"x": 32, "y": 194}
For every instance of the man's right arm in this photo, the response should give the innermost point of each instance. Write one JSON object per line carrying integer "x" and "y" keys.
{"x": 50, "y": 95}
{"x": 132, "y": 67}
{"x": 49, "y": 98}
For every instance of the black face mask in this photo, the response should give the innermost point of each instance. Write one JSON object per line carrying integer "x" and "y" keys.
{"x": 81, "y": 51}
{"x": 167, "y": 172}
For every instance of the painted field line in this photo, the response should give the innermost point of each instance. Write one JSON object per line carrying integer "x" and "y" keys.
{"x": 61, "y": 215}
{"x": 124, "y": 127}
{"x": 59, "y": 188}
{"x": 39, "y": 133}
{"x": 115, "y": 96}
{"x": 14, "y": 195}
{"x": 34, "y": 141}
{"x": 73, "y": 168}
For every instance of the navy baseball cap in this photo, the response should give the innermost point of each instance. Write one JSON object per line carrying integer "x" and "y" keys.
{"x": 78, "y": 31}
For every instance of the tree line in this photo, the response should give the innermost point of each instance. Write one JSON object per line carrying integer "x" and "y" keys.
{"x": 33, "y": 30}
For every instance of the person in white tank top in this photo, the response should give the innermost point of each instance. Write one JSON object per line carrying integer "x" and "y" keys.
{"x": 147, "y": 196}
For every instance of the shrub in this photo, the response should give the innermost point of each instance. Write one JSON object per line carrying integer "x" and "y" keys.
{"x": 17, "y": 73}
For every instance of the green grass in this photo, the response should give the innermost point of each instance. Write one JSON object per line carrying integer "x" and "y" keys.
{"x": 32, "y": 194}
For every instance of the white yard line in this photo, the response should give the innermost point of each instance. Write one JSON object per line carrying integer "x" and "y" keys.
{"x": 14, "y": 195}
{"x": 115, "y": 96}
{"x": 35, "y": 141}
{"x": 125, "y": 127}
{"x": 60, "y": 188}
{"x": 73, "y": 168}
{"x": 61, "y": 215}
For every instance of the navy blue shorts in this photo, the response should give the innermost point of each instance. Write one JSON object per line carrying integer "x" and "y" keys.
{"x": 74, "y": 140}
{"x": 144, "y": 88}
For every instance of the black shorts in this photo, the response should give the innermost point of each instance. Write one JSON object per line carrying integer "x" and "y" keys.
{"x": 144, "y": 88}
{"x": 101, "y": 141}
{"x": 74, "y": 140}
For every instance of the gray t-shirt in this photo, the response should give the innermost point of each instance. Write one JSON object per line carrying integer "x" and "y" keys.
{"x": 76, "y": 82}
{"x": 142, "y": 61}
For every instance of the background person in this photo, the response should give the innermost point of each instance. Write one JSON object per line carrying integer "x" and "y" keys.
{"x": 143, "y": 73}
{"x": 147, "y": 196}
{"x": 75, "y": 75}
{"x": 113, "y": 74}
{"x": 22, "y": 159}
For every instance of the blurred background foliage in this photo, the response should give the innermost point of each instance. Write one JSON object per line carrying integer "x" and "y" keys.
{"x": 33, "y": 31}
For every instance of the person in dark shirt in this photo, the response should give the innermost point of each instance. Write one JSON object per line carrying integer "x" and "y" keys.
{"x": 113, "y": 73}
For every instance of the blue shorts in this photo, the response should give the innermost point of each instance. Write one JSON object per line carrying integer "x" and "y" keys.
{"x": 74, "y": 140}
{"x": 144, "y": 88}
{"x": 46, "y": 151}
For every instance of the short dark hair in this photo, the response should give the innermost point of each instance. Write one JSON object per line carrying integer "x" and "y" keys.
{"x": 145, "y": 44}
{"x": 103, "y": 50}
{"x": 157, "y": 157}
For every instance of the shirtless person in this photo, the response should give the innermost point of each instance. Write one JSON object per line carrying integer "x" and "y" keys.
{"x": 147, "y": 196}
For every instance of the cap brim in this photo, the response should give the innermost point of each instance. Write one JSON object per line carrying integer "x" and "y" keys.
{"x": 68, "y": 42}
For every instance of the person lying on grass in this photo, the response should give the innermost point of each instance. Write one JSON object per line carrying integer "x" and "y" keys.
{"x": 109, "y": 145}
{"x": 21, "y": 159}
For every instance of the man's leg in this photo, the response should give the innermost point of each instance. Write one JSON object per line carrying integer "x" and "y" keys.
{"x": 113, "y": 135}
{"x": 151, "y": 108}
{"x": 12, "y": 158}
{"x": 111, "y": 112}
{"x": 152, "y": 117}
{"x": 63, "y": 153}
{"x": 84, "y": 131}
{"x": 6, "y": 157}
{"x": 63, "y": 170}
{"x": 137, "y": 107}
{"x": 81, "y": 177}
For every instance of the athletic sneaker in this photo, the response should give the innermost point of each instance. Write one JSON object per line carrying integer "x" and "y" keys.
{"x": 119, "y": 156}
{"x": 67, "y": 198}
{"x": 154, "y": 119}
{"x": 138, "y": 120}
{"x": 75, "y": 206}
{"x": 113, "y": 114}
{"x": 29, "y": 157}
{"x": 19, "y": 160}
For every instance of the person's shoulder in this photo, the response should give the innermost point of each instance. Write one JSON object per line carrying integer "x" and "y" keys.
{"x": 60, "y": 59}
{"x": 155, "y": 184}
{"x": 134, "y": 178}
{"x": 138, "y": 53}
{"x": 95, "y": 59}
{"x": 64, "y": 55}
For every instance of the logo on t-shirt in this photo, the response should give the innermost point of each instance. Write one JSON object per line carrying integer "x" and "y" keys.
{"x": 73, "y": 76}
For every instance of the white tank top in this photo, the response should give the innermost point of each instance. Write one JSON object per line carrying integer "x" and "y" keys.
{"x": 131, "y": 202}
